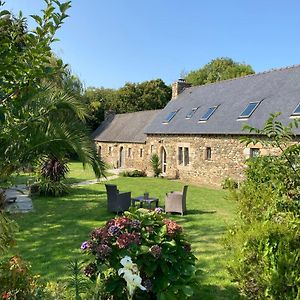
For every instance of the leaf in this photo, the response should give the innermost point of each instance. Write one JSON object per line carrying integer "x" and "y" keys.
{"x": 188, "y": 291}
{"x": 38, "y": 19}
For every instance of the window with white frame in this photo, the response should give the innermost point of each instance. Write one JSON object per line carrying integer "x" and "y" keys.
{"x": 183, "y": 156}
{"x": 254, "y": 152}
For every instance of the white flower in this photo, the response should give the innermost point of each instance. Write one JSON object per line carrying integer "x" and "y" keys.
{"x": 131, "y": 275}
{"x": 126, "y": 262}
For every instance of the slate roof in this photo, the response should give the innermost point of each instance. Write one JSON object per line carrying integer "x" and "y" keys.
{"x": 279, "y": 91}
{"x": 126, "y": 128}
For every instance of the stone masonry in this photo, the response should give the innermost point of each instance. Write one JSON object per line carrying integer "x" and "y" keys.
{"x": 227, "y": 158}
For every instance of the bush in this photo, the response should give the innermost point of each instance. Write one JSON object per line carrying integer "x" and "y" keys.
{"x": 135, "y": 173}
{"x": 229, "y": 184}
{"x": 158, "y": 247}
{"x": 265, "y": 244}
{"x": 52, "y": 173}
{"x": 155, "y": 163}
{"x": 17, "y": 282}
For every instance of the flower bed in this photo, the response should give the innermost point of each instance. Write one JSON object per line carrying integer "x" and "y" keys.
{"x": 157, "y": 245}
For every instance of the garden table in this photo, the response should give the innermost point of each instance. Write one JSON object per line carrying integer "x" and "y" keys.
{"x": 147, "y": 200}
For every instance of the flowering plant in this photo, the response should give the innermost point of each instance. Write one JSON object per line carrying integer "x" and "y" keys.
{"x": 131, "y": 275}
{"x": 158, "y": 246}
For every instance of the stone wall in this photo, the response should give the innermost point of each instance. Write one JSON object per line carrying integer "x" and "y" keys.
{"x": 226, "y": 159}
{"x": 135, "y": 156}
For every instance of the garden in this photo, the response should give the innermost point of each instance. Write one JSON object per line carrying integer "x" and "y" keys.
{"x": 234, "y": 243}
{"x": 51, "y": 236}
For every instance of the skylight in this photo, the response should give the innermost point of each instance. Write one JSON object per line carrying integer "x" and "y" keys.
{"x": 191, "y": 113}
{"x": 248, "y": 111}
{"x": 296, "y": 112}
{"x": 208, "y": 114}
{"x": 170, "y": 116}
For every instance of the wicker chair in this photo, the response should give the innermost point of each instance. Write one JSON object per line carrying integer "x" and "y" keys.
{"x": 176, "y": 201}
{"x": 116, "y": 201}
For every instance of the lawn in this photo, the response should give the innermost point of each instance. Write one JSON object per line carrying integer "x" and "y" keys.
{"x": 51, "y": 235}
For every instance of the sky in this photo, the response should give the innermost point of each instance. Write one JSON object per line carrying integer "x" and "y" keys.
{"x": 110, "y": 42}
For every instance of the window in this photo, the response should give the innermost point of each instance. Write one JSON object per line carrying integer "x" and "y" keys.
{"x": 208, "y": 114}
{"x": 248, "y": 111}
{"x": 296, "y": 112}
{"x": 254, "y": 152}
{"x": 170, "y": 116}
{"x": 183, "y": 156}
{"x": 141, "y": 152}
{"x": 180, "y": 156}
{"x": 186, "y": 158}
{"x": 129, "y": 152}
{"x": 191, "y": 113}
{"x": 151, "y": 148}
{"x": 99, "y": 151}
{"x": 109, "y": 150}
{"x": 208, "y": 153}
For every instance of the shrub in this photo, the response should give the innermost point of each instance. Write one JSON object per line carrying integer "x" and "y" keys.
{"x": 158, "y": 247}
{"x": 155, "y": 163}
{"x": 135, "y": 173}
{"x": 265, "y": 244}
{"x": 17, "y": 282}
{"x": 229, "y": 184}
{"x": 52, "y": 173}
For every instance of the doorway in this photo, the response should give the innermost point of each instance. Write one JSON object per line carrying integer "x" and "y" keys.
{"x": 121, "y": 158}
{"x": 163, "y": 159}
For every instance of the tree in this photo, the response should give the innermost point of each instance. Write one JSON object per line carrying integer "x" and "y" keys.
{"x": 39, "y": 118}
{"x": 218, "y": 69}
{"x": 132, "y": 97}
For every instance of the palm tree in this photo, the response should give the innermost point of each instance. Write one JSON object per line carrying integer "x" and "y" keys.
{"x": 48, "y": 123}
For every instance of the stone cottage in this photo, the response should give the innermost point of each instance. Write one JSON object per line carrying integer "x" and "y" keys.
{"x": 197, "y": 135}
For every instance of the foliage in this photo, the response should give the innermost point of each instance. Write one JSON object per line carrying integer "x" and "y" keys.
{"x": 218, "y": 69}
{"x": 39, "y": 107}
{"x": 77, "y": 282}
{"x": 155, "y": 163}
{"x": 54, "y": 169}
{"x": 147, "y": 95}
{"x": 7, "y": 230}
{"x": 17, "y": 282}
{"x": 52, "y": 173}
{"x": 229, "y": 184}
{"x": 158, "y": 247}
{"x": 265, "y": 243}
{"x": 134, "y": 173}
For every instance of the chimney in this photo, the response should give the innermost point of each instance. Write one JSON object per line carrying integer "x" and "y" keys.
{"x": 178, "y": 87}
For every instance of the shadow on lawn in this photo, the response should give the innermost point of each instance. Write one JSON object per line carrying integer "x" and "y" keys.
{"x": 199, "y": 212}
{"x": 209, "y": 291}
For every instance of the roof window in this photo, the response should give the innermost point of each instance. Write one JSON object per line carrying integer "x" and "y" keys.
{"x": 208, "y": 114}
{"x": 248, "y": 111}
{"x": 191, "y": 113}
{"x": 170, "y": 116}
{"x": 296, "y": 112}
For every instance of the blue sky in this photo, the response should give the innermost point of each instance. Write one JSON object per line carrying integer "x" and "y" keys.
{"x": 108, "y": 43}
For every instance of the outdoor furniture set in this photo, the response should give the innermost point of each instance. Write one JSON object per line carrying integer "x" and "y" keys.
{"x": 120, "y": 201}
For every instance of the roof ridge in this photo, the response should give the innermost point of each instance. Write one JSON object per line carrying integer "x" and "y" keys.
{"x": 140, "y": 111}
{"x": 247, "y": 76}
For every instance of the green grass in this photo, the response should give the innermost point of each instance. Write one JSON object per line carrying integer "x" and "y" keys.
{"x": 53, "y": 233}
{"x": 77, "y": 174}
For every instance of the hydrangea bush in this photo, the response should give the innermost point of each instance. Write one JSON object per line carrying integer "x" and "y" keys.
{"x": 157, "y": 245}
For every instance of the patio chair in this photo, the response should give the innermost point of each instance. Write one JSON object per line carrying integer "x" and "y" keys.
{"x": 117, "y": 201}
{"x": 176, "y": 201}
